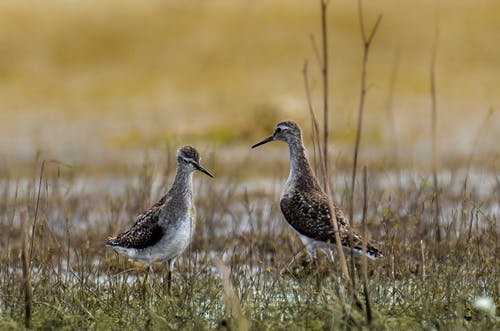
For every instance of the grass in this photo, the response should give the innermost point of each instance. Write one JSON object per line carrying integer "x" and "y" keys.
{"x": 105, "y": 92}
{"x": 79, "y": 284}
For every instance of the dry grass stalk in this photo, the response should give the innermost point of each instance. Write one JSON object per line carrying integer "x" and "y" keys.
{"x": 364, "y": 261}
{"x": 315, "y": 125}
{"x": 33, "y": 228}
{"x": 324, "y": 71}
{"x": 366, "y": 43}
{"x": 231, "y": 299}
{"x": 25, "y": 259}
{"x": 437, "y": 207}
{"x": 324, "y": 156}
{"x": 367, "y": 40}
{"x": 422, "y": 256}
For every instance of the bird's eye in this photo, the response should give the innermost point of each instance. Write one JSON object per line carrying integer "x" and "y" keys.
{"x": 278, "y": 130}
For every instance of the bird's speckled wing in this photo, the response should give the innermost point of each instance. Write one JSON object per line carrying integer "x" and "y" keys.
{"x": 356, "y": 241}
{"x": 309, "y": 214}
{"x": 144, "y": 233}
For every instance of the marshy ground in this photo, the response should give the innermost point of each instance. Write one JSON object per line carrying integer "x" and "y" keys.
{"x": 79, "y": 284}
{"x": 96, "y": 96}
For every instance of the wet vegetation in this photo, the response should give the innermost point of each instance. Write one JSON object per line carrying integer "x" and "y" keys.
{"x": 79, "y": 284}
{"x": 105, "y": 99}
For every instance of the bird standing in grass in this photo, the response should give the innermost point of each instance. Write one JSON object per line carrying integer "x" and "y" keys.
{"x": 164, "y": 231}
{"x": 306, "y": 207}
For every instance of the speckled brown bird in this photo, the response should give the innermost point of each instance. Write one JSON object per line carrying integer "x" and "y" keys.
{"x": 306, "y": 207}
{"x": 164, "y": 231}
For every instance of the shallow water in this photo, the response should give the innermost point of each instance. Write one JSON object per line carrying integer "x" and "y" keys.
{"x": 253, "y": 204}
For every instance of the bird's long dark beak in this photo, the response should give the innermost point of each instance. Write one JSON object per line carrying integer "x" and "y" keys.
{"x": 265, "y": 141}
{"x": 202, "y": 169}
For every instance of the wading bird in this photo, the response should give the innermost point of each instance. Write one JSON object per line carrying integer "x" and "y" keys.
{"x": 164, "y": 231}
{"x": 306, "y": 207}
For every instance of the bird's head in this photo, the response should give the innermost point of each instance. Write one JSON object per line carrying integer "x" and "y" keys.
{"x": 188, "y": 159}
{"x": 287, "y": 131}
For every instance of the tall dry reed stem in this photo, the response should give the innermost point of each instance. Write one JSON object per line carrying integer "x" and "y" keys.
{"x": 324, "y": 71}
{"x": 367, "y": 40}
{"x": 25, "y": 259}
{"x": 364, "y": 261}
{"x": 315, "y": 125}
{"x": 437, "y": 211}
{"x": 323, "y": 152}
{"x": 35, "y": 219}
{"x": 352, "y": 283}
{"x": 422, "y": 257}
{"x": 231, "y": 299}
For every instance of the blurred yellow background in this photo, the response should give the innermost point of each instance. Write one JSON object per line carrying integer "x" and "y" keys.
{"x": 85, "y": 81}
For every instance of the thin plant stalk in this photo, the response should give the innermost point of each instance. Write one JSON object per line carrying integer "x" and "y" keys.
{"x": 33, "y": 228}
{"x": 326, "y": 187}
{"x": 437, "y": 210}
{"x": 315, "y": 125}
{"x": 422, "y": 256}
{"x": 231, "y": 299}
{"x": 324, "y": 71}
{"x": 364, "y": 261}
{"x": 367, "y": 40}
{"x": 25, "y": 259}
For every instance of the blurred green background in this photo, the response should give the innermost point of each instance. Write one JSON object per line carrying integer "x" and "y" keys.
{"x": 97, "y": 81}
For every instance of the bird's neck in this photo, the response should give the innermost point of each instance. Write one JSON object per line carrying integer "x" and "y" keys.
{"x": 300, "y": 170}
{"x": 179, "y": 200}
{"x": 182, "y": 188}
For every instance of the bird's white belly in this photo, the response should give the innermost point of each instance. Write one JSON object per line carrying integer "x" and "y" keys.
{"x": 172, "y": 244}
{"x": 311, "y": 243}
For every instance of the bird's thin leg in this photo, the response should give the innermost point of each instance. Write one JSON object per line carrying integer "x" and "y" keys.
{"x": 312, "y": 253}
{"x": 145, "y": 281}
{"x": 170, "y": 264}
{"x": 145, "y": 277}
{"x": 151, "y": 282}
{"x": 311, "y": 250}
{"x": 329, "y": 253}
